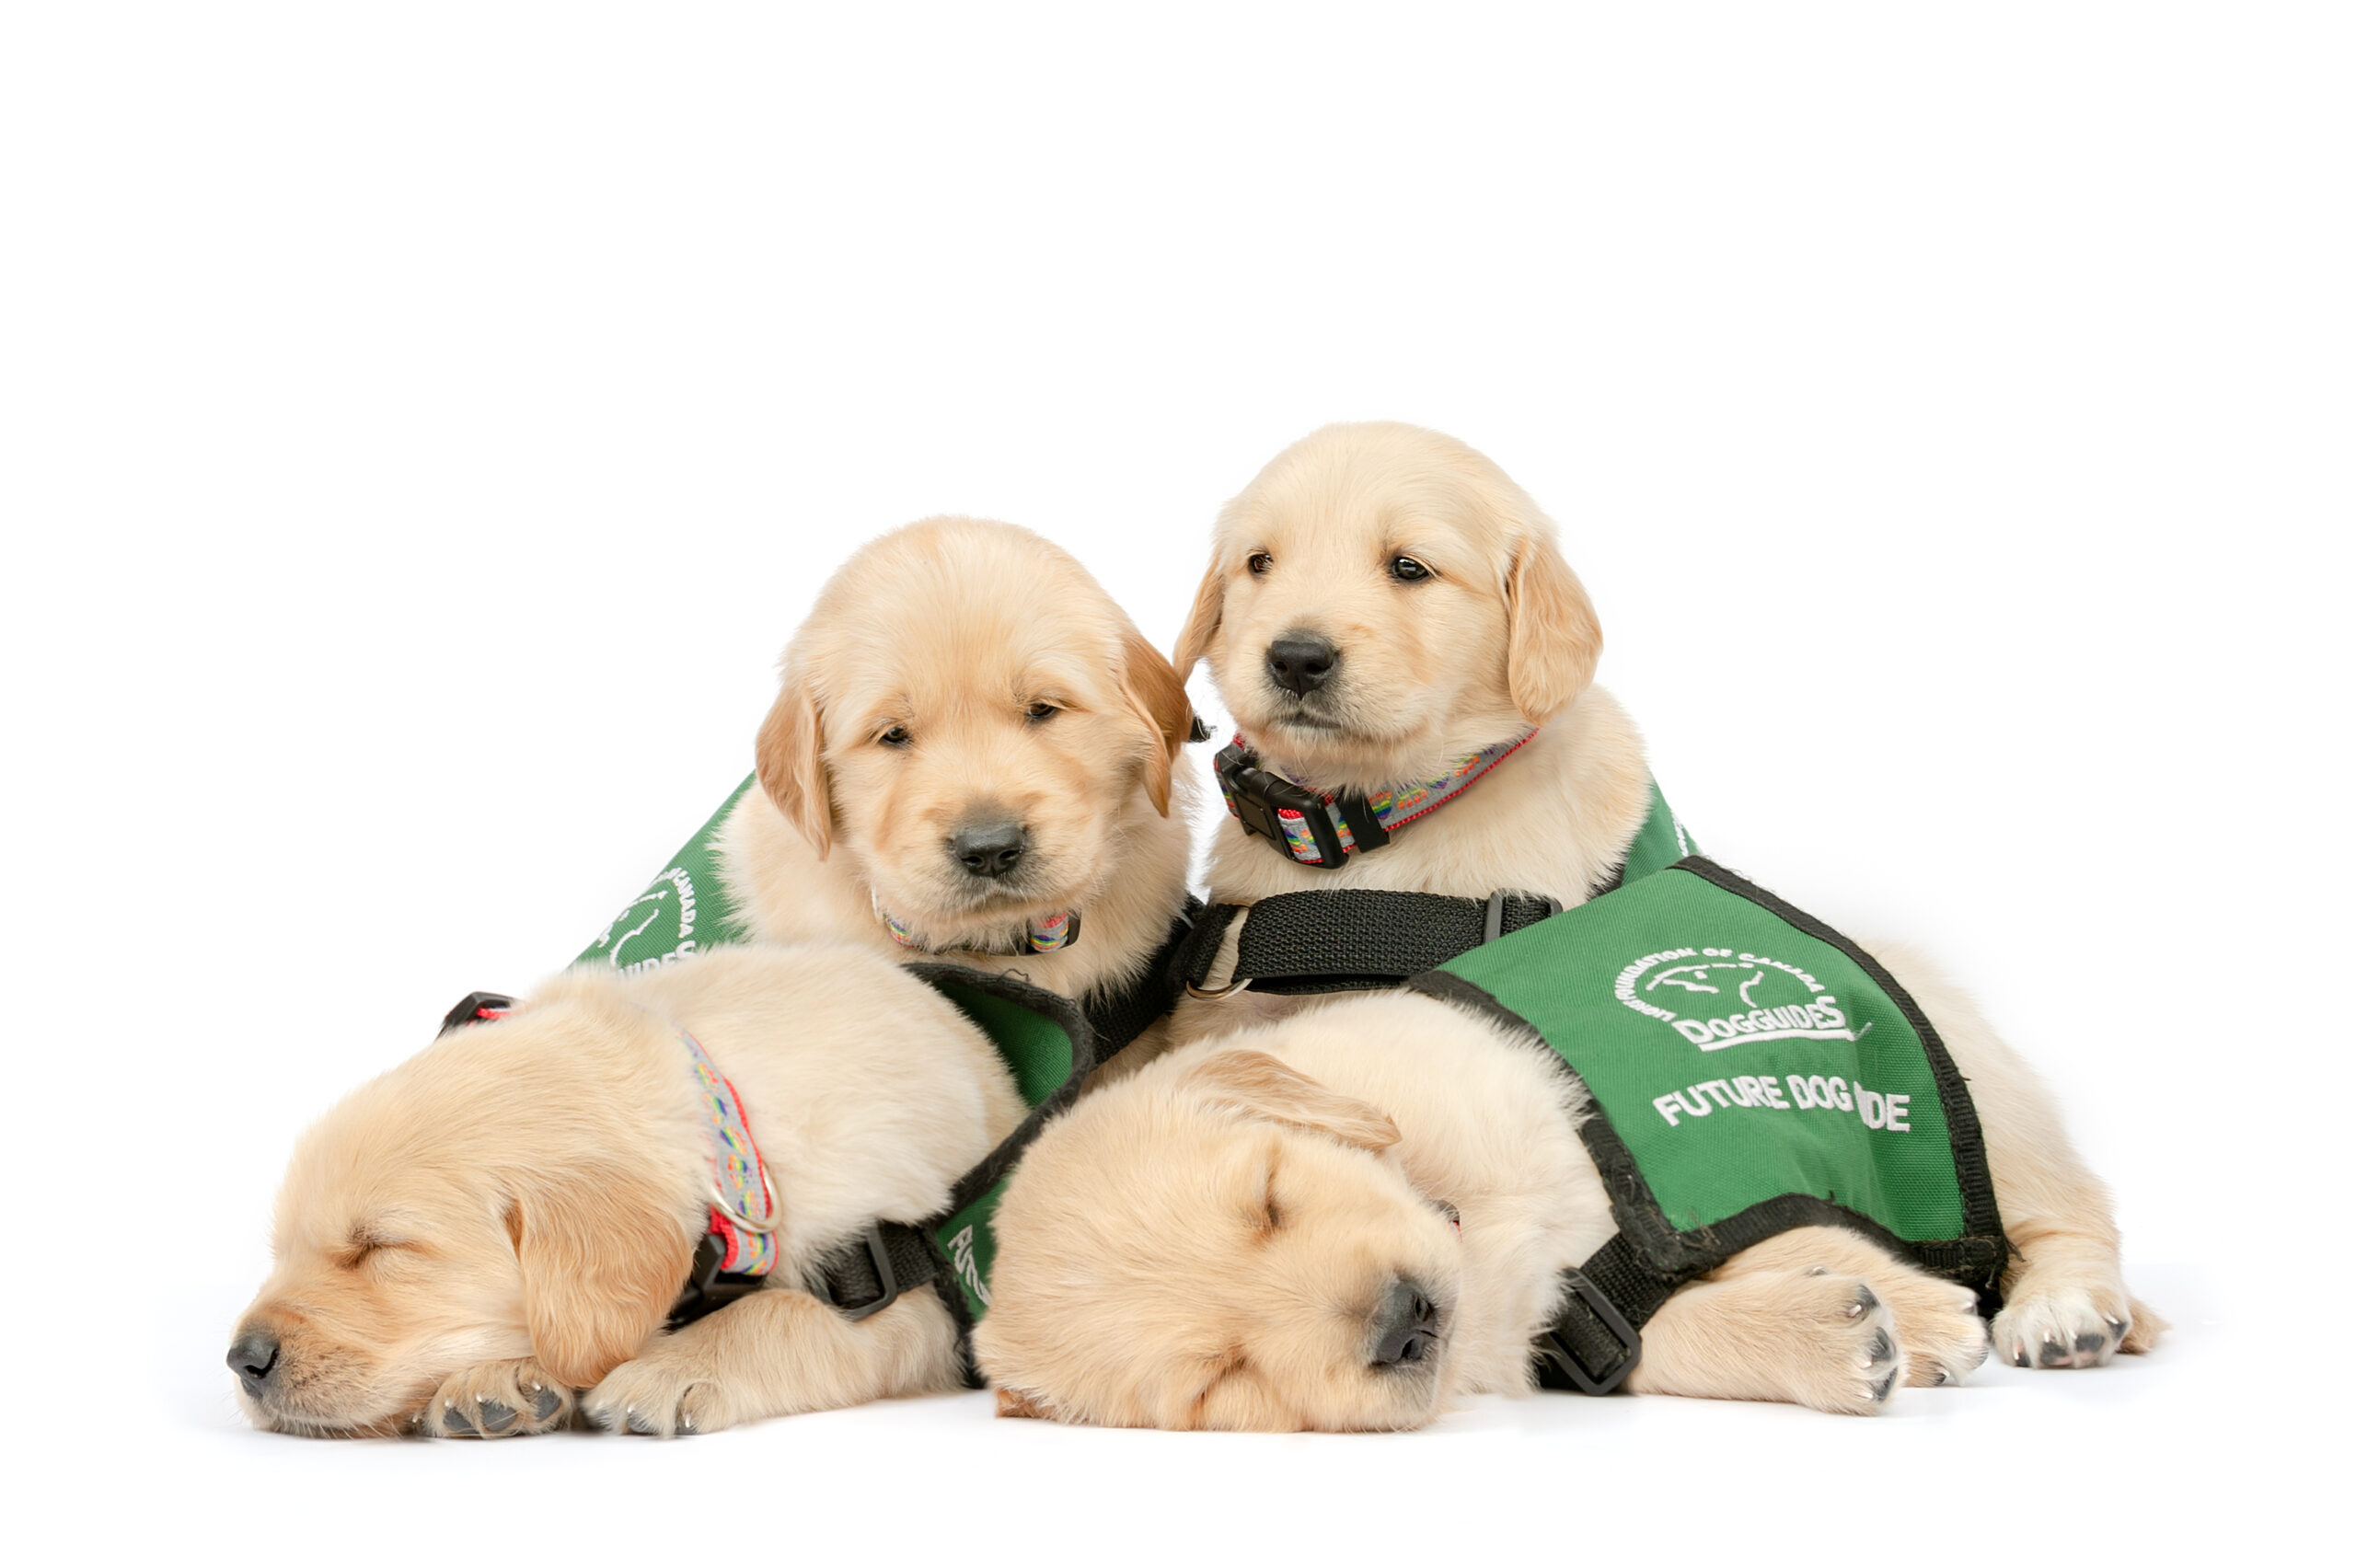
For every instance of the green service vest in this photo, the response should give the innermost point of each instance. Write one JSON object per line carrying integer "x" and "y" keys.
{"x": 1751, "y": 1070}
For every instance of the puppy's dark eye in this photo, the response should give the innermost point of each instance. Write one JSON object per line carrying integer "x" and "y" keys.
{"x": 1407, "y": 568}
{"x": 897, "y": 735}
{"x": 1258, "y": 563}
{"x": 1040, "y": 713}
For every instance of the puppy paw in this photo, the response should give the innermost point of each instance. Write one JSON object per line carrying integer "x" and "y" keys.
{"x": 498, "y": 1398}
{"x": 1939, "y": 1324}
{"x": 661, "y": 1394}
{"x": 2073, "y": 1326}
{"x": 1849, "y": 1356}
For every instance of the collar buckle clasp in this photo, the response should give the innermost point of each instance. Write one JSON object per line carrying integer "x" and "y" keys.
{"x": 1257, "y": 796}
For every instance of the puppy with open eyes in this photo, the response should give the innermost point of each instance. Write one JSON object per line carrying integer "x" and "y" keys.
{"x": 494, "y": 1232}
{"x": 970, "y": 757}
{"x": 1387, "y": 613}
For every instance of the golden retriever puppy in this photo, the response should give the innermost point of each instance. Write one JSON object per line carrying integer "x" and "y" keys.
{"x": 1342, "y": 1221}
{"x": 497, "y": 1229}
{"x": 1384, "y": 602}
{"x": 971, "y": 756}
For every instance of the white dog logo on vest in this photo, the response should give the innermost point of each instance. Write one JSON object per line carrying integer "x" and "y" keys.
{"x": 656, "y": 927}
{"x": 1717, "y": 997}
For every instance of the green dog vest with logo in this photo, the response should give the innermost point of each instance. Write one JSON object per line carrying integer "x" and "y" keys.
{"x": 1751, "y": 1071}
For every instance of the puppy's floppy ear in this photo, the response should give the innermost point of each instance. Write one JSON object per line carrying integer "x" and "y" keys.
{"x": 1158, "y": 697}
{"x": 792, "y": 772}
{"x": 603, "y": 1258}
{"x": 1260, "y": 1086}
{"x": 1553, "y": 639}
{"x": 1202, "y": 621}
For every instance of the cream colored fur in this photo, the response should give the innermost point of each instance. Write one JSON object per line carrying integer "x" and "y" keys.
{"x": 498, "y": 1227}
{"x": 952, "y": 631}
{"x": 1496, "y": 636}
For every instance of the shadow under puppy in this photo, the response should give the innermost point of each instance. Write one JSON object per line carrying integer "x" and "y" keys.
{"x": 970, "y": 755}
{"x": 498, "y": 1227}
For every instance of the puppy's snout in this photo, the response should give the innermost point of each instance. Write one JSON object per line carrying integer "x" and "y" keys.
{"x": 989, "y": 848}
{"x": 1406, "y": 1326}
{"x": 254, "y": 1358}
{"x": 1301, "y": 662}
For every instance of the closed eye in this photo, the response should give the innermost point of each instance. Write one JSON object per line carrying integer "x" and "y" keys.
{"x": 365, "y": 1245}
{"x": 1269, "y": 1217}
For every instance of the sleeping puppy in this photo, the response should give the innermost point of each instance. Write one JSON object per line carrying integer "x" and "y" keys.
{"x": 970, "y": 755}
{"x": 498, "y": 1227}
{"x": 1382, "y": 602}
{"x": 1342, "y": 1221}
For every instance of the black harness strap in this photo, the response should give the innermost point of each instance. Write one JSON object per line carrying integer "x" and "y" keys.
{"x": 857, "y": 1279}
{"x": 873, "y": 1270}
{"x": 1596, "y": 1338}
{"x": 1118, "y": 1020}
{"x": 1352, "y": 939}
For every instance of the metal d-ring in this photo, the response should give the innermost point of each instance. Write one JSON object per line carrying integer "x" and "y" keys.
{"x": 758, "y": 1227}
{"x": 1226, "y": 990}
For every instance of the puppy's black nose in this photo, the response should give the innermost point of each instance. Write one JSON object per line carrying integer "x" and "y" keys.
{"x": 254, "y": 1358}
{"x": 1406, "y": 1327}
{"x": 1301, "y": 662}
{"x": 989, "y": 848}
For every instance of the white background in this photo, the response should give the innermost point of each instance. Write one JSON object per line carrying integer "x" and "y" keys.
{"x": 420, "y": 428}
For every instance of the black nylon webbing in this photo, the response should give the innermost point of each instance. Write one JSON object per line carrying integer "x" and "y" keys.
{"x": 846, "y": 1276}
{"x": 1355, "y": 940}
{"x": 1200, "y": 950}
{"x": 1579, "y": 1331}
{"x": 1120, "y": 1017}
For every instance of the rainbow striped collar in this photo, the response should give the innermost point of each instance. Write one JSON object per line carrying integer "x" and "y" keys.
{"x": 1050, "y": 933}
{"x": 1318, "y": 829}
{"x": 744, "y": 1205}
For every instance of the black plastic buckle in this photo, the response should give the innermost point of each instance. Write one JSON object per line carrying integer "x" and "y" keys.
{"x": 708, "y": 1290}
{"x": 877, "y": 1253}
{"x": 1257, "y": 795}
{"x": 473, "y": 1010}
{"x": 1555, "y": 1348}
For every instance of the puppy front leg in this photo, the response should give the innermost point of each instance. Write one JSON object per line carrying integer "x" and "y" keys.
{"x": 777, "y": 1351}
{"x": 2066, "y": 1298}
{"x": 1825, "y": 1341}
{"x": 1819, "y": 1317}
